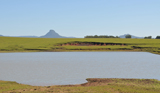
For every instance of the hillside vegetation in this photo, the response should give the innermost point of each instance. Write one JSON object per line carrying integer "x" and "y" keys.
{"x": 17, "y": 44}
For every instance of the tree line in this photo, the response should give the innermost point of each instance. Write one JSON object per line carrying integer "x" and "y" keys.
{"x": 100, "y": 36}
{"x": 150, "y": 37}
{"x": 106, "y": 36}
{"x": 147, "y": 37}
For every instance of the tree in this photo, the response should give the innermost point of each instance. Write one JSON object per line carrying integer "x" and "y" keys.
{"x": 116, "y": 37}
{"x": 96, "y": 36}
{"x": 88, "y": 37}
{"x": 149, "y": 37}
{"x": 158, "y": 37}
{"x": 128, "y": 36}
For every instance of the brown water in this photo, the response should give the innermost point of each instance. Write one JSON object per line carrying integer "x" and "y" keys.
{"x": 59, "y": 68}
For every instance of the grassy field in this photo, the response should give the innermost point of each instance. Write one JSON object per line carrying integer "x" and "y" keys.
{"x": 92, "y": 86}
{"x": 16, "y": 44}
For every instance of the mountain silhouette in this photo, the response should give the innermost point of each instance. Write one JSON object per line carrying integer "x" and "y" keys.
{"x": 51, "y": 34}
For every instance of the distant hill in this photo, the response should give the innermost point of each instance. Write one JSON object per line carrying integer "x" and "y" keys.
{"x": 123, "y": 36}
{"x": 53, "y": 34}
{"x": 1, "y": 35}
{"x": 50, "y": 34}
{"x": 29, "y": 36}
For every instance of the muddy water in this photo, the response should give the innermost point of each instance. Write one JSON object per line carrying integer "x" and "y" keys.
{"x": 59, "y": 68}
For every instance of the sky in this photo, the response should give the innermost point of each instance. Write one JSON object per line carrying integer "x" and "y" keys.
{"x": 79, "y": 18}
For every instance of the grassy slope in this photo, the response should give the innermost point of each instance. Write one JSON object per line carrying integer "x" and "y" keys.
{"x": 93, "y": 86}
{"x": 11, "y": 44}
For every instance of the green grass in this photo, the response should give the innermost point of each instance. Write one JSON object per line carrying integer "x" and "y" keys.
{"x": 9, "y": 85}
{"x": 109, "y": 47}
{"x": 17, "y": 44}
{"x": 92, "y": 86}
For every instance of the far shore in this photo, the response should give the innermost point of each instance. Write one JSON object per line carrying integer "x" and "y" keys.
{"x": 79, "y": 51}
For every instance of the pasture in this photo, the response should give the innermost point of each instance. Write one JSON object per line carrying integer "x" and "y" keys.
{"x": 17, "y": 44}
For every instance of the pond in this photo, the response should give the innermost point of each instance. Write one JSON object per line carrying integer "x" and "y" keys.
{"x": 61, "y": 68}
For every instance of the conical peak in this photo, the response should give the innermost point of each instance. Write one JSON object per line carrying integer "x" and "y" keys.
{"x": 51, "y": 30}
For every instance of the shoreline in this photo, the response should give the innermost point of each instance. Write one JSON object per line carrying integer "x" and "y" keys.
{"x": 80, "y": 51}
{"x": 96, "y": 85}
{"x": 88, "y": 81}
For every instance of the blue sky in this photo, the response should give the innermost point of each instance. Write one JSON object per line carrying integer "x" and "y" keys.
{"x": 79, "y": 18}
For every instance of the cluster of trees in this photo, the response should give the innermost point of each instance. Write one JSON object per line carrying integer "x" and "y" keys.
{"x": 158, "y": 37}
{"x": 148, "y": 37}
{"x": 101, "y": 36}
{"x": 128, "y": 36}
